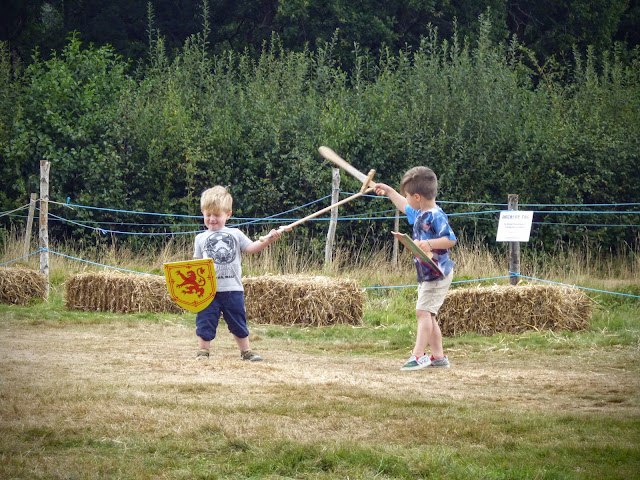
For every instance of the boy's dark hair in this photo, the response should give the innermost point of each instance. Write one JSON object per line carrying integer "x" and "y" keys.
{"x": 421, "y": 180}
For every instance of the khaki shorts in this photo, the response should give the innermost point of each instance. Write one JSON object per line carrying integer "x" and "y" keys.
{"x": 431, "y": 294}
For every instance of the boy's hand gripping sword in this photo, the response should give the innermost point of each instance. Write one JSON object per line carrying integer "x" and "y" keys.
{"x": 367, "y": 186}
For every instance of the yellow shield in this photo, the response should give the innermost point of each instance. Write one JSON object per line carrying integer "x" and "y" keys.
{"x": 191, "y": 284}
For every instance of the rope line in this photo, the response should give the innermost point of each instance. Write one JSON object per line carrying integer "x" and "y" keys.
{"x": 2, "y": 214}
{"x": 511, "y": 274}
{"x": 589, "y": 224}
{"x": 592, "y": 212}
{"x": 273, "y": 218}
{"x": 473, "y": 213}
{"x": 575, "y": 286}
{"x": 106, "y": 231}
{"x": 128, "y": 211}
{"x": 258, "y": 221}
{"x": 172, "y": 214}
{"x": 98, "y": 264}
{"x": 450, "y": 202}
{"x": 578, "y": 204}
{"x": 18, "y": 259}
{"x": 71, "y": 205}
{"x": 452, "y": 283}
{"x": 297, "y": 208}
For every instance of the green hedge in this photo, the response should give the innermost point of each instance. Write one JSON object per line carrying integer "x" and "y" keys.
{"x": 486, "y": 117}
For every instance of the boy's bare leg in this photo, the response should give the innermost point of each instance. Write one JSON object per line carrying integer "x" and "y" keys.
{"x": 243, "y": 343}
{"x": 423, "y": 336}
{"x": 435, "y": 339}
{"x": 203, "y": 344}
{"x": 429, "y": 333}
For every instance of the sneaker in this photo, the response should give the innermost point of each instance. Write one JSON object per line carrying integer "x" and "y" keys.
{"x": 440, "y": 363}
{"x": 202, "y": 355}
{"x": 415, "y": 363}
{"x": 250, "y": 356}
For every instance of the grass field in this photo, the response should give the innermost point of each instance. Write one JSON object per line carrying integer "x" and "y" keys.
{"x": 100, "y": 395}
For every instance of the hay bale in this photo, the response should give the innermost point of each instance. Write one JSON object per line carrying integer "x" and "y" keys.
{"x": 514, "y": 309}
{"x": 284, "y": 300}
{"x": 303, "y": 300}
{"x": 19, "y": 285}
{"x": 120, "y": 293}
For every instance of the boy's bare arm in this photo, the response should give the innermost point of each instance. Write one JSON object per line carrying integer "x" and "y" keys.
{"x": 442, "y": 243}
{"x": 258, "y": 246}
{"x": 385, "y": 190}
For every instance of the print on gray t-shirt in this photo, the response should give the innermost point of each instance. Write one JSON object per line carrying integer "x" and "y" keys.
{"x": 224, "y": 247}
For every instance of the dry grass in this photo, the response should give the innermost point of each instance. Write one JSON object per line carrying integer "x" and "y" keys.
{"x": 474, "y": 260}
{"x": 371, "y": 263}
{"x": 18, "y": 286}
{"x": 120, "y": 293}
{"x": 304, "y": 300}
{"x": 514, "y": 309}
{"x": 579, "y": 265}
{"x": 133, "y": 403}
{"x": 127, "y": 370}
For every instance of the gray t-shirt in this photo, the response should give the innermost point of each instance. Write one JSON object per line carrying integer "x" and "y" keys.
{"x": 224, "y": 246}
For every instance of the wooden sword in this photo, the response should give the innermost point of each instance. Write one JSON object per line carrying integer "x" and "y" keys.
{"x": 367, "y": 186}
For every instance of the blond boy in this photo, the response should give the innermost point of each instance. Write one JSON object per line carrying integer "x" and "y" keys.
{"x": 224, "y": 245}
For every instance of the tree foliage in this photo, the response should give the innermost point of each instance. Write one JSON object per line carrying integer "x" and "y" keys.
{"x": 485, "y": 114}
{"x": 66, "y": 111}
{"x": 548, "y": 27}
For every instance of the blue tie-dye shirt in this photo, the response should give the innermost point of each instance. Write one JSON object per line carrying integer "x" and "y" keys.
{"x": 427, "y": 225}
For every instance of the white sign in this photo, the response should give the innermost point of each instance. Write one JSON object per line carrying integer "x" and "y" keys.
{"x": 514, "y": 226}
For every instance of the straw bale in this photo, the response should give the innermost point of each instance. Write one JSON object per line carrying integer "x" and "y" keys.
{"x": 19, "y": 285}
{"x": 120, "y": 293}
{"x": 514, "y": 309}
{"x": 303, "y": 300}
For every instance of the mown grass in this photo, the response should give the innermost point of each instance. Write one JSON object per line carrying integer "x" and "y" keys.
{"x": 75, "y": 403}
{"x": 113, "y": 431}
{"x": 99, "y": 429}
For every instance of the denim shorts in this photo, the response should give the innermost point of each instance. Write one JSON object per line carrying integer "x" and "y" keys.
{"x": 231, "y": 306}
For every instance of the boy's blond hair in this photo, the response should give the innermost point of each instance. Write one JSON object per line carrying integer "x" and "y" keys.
{"x": 421, "y": 180}
{"x": 216, "y": 199}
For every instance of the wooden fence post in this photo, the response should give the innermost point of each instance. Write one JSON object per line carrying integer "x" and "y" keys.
{"x": 396, "y": 228}
{"x": 44, "y": 224}
{"x": 514, "y": 247}
{"x": 331, "y": 234}
{"x": 27, "y": 233}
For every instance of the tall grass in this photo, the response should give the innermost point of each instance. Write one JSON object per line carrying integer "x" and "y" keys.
{"x": 372, "y": 264}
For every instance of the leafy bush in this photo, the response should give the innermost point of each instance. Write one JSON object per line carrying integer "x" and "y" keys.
{"x": 486, "y": 116}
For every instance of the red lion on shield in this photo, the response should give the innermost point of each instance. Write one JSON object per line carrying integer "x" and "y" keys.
{"x": 192, "y": 282}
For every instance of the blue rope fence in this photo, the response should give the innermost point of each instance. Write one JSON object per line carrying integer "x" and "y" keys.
{"x": 377, "y": 287}
{"x": 277, "y": 218}
{"x": 576, "y": 286}
{"x": 18, "y": 259}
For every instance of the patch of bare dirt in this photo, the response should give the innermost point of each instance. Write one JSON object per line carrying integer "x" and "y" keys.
{"x": 148, "y": 359}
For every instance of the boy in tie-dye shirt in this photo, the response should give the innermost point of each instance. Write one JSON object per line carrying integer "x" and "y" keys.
{"x": 433, "y": 234}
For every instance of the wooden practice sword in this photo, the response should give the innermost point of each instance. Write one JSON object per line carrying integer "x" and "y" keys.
{"x": 367, "y": 186}
{"x": 333, "y": 157}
